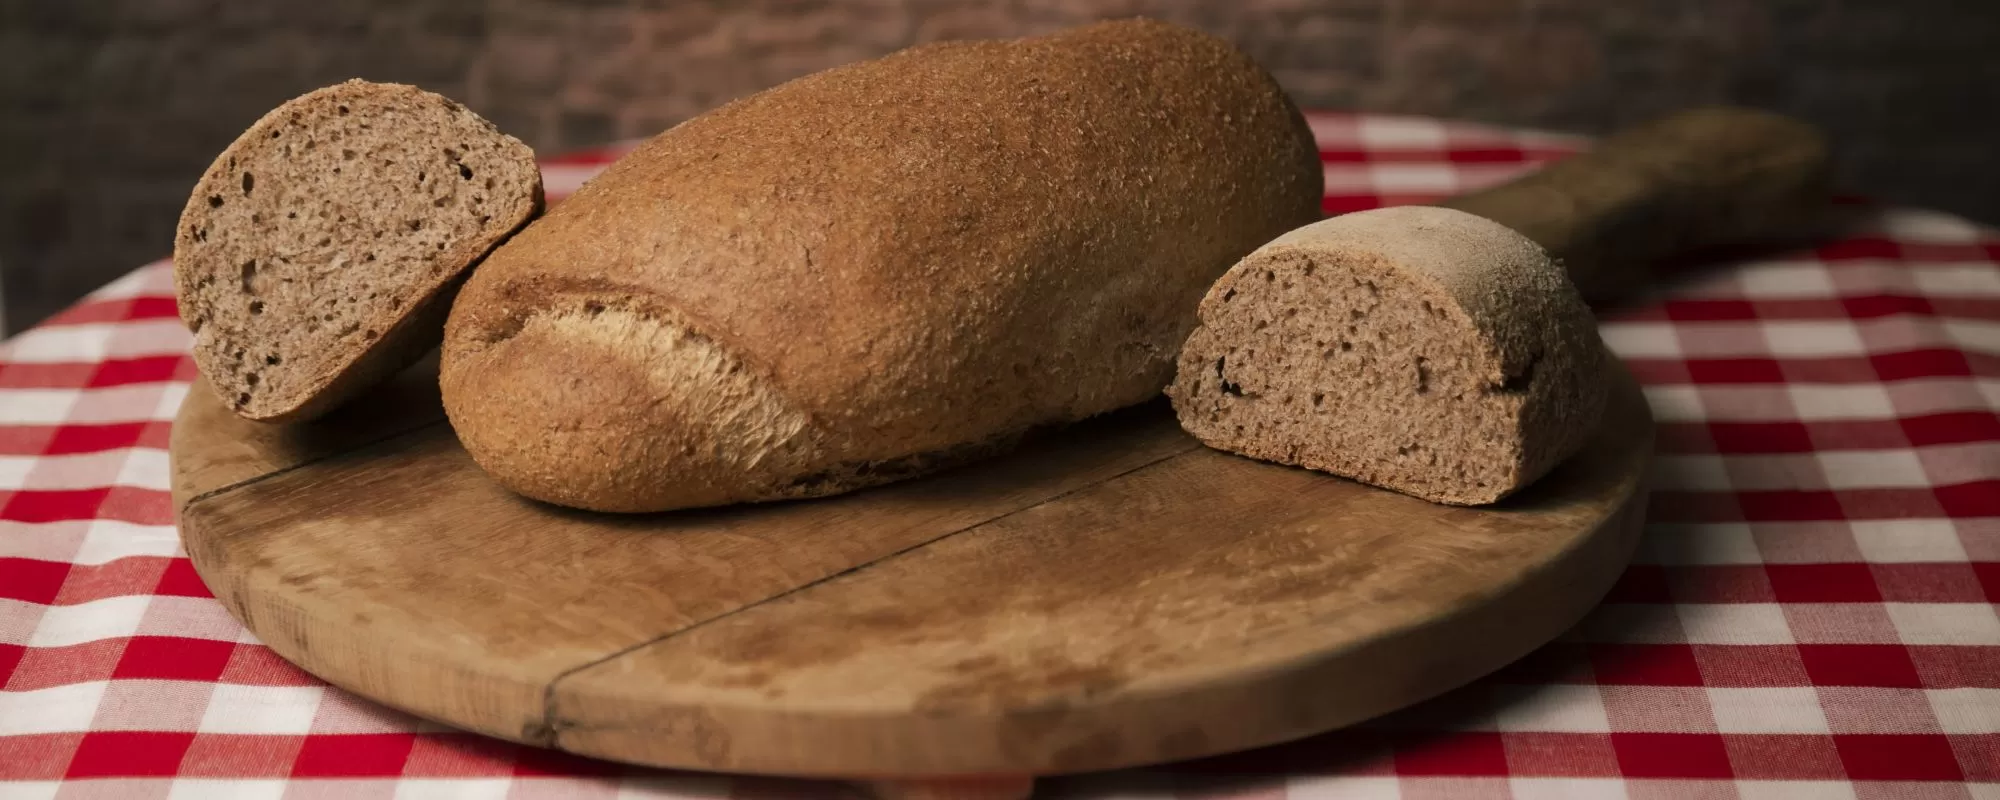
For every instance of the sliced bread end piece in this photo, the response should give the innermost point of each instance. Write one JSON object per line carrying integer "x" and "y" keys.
{"x": 319, "y": 253}
{"x": 1424, "y": 350}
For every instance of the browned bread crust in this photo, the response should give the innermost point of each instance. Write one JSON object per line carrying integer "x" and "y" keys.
{"x": 1424, "y": 350}
{"x": 319, "y": 253}
{"x": 875, "y": 271}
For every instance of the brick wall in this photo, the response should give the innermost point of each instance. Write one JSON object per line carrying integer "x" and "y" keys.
{"x": 110, "y": 108}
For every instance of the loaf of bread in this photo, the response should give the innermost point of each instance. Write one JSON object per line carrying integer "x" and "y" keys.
{"x": 875, "y": 271}
{"x": 1424, "y": 350}
{"x": 319, "y": 253}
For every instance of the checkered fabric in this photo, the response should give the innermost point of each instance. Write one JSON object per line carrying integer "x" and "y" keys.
{"x": 1811, "y": 614}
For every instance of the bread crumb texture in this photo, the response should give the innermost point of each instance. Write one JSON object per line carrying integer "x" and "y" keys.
{"x": 310, "y": 256}
{"x": 1424, "y": 350}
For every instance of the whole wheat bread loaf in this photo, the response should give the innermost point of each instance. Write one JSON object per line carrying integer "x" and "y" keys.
{"x": 875, "y": 271}
{"x": 319, "y": 253}
{"x": 1424, "y": 350}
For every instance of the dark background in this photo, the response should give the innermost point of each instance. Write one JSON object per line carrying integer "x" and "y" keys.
{"x": 109, "y": 109}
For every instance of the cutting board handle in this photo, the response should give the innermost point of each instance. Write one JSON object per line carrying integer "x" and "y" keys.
{"x": 1686, "y": 182}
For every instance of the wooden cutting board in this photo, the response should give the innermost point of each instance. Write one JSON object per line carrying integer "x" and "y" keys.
{"x": 1110, "y": 595}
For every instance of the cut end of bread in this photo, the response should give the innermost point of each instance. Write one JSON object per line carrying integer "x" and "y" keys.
{"x": 1421, "y": 350}
{"x": 315, "y": 254}
{"x": 618, "y": 410}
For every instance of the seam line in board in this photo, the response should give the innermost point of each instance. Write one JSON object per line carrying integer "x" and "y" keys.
{"x": 551, "y": 732}
{"x": 307, "y": 463}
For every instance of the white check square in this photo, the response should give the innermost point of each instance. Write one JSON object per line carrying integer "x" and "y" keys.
{"x": 56, "y": 344}
{"x": 57, "y": 709}
{"x": 1904, "y": 541}
{"x": 1812, "y": 339}
{"x": 106, "y": 618}
{"x": 1342, "y": 787}
{"x": 107, "y": 540}
{"x": 1676, "y": 403}
{"x": 1556, "y": 707}
{"x": 692, "y": 787}
{"x": 279, "y": 710}
{"x": 171, "y": 397}
{"x": 1566, "y": 788}
{"x": 1642, "y": 339}
{"x": 1713, "y": 543}
{"x": 1398, "y": 133}
{"x": 1966, "y": 710}
{"x": 1975, "y": 335}
{"x": 1864, "y": 469}
{"x": 1630, "y": 622}
{"x": 1945, "y": 623}
{"x": 1824, "y": 402}
{"x": 458, "y": 789}
{"x": 564, "y": 180}
{"x": 1395, "y": 178}
{"x": 1690, "y": 472}
{"x": 1735, "y": 623}
{"x": 38, "y": 406}
{"x": 149, "y": 339}
{"x": 1928, "y": 227}
{"x": 230, "y": 789}
{"x": 154, "y": 278}
{"x": 30, "y": 790}
{"x": 1795, "y": 790}
{"x": 1957, "y": 280}
{"x": 1772, "y": 280}
{"x": 1789, "y": 709}
{"x": 143, "y": 468}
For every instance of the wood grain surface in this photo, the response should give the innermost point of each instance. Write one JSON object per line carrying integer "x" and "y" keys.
{"x": 1674, "y": 186}
{"x": 1109, "y": 595}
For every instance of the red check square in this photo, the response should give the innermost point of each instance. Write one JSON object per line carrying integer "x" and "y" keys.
{"x": 10, "y": 657}
{"x": 181, "y": 580}
{"x": 1464, "y": 753}
{"x": 73, "y": 439}
{"x": 1736, "y": 370}
{"x": 1640, "y": 583}
{"x": 174, "y": 658}
{"x": 1885, "y": 665}
{"x": 129, "y": 754}
{"x": 1952, "y": 428}
{"x": 1898, "y": 757}
{"x": 1645, "y": 665}
{"x": 1671, "y": 755}
{"x": 357, "y": 755}
{"x": 32, "y": 581}
{"x": 1823, "y": 583}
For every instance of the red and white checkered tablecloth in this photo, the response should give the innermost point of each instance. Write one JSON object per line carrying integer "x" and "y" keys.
{"x": 1811, "y": 614}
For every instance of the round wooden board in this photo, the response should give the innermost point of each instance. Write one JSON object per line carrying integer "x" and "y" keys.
{"x": 1114, "y": 594}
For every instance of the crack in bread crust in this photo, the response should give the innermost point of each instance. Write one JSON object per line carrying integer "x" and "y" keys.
{"x": 922, "y": 254}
